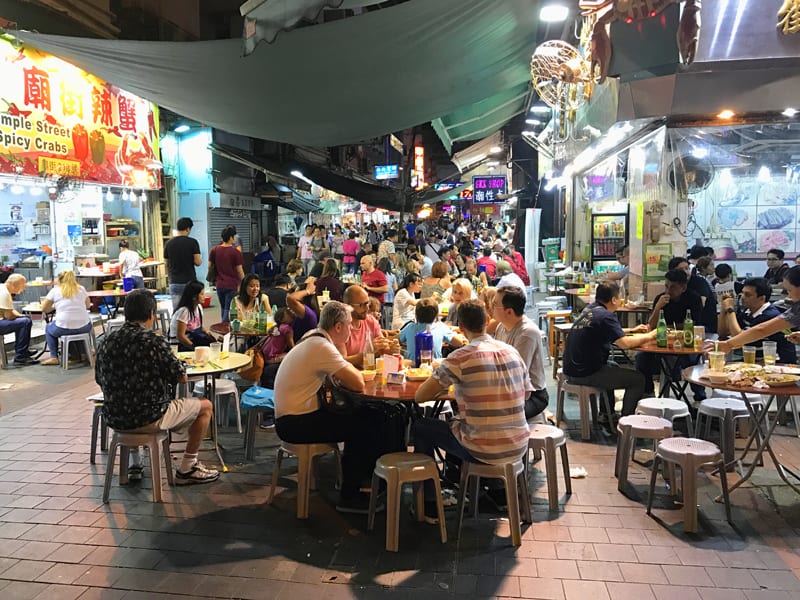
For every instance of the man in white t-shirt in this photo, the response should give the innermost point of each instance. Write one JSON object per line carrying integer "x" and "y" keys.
{"x": 13, "y": 322}
{"x": 304, "y": 252}
{"x": 299, "y": 419}
{"x": 507, "y": 277}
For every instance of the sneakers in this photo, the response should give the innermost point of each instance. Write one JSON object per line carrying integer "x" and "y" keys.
{"x": 197, "y": 474}
{"x": 135, "y": 472}
{"x": 358, "y": 504}
{"x": 49, "y": 361}
{"x": 24, "y": 361}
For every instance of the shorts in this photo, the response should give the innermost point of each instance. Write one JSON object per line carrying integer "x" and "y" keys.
{"x": 180, "y": 415}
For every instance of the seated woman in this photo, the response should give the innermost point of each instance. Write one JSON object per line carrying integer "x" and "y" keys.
{"x": 249, "y": 300}
{"x": 330, "y": 280}
{"x": 460, "y": 291}
{"x": 405, "y": 300}
{"x": 437, "y": 284}
{"x": 70, "y": 302}
{"x": 187, "y": 321}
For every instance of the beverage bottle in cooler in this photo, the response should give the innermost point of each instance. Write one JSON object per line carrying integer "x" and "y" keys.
{"x": 661, "y": 331}
{"x": 369, "y": 353}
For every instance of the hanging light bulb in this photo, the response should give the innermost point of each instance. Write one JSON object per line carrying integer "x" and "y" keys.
{"x": 143, "y": 196}
{"x": 109, "y": 195}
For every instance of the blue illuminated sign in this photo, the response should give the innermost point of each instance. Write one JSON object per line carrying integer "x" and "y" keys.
{"x": 386, "y": 172}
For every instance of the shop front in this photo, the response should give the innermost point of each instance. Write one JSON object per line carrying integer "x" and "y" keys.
{"x": 78, "y": 159}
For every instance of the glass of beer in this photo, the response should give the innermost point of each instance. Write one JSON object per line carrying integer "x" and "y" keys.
{"x": 716, "y": 360}
{"x": 749, "y": 354}
{"x": 770, "y": 352}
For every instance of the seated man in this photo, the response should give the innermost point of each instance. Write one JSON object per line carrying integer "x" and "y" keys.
{"x": 138, "y": 373}
{"x": 12, "y": 321}
{"x": 588, "y": 347}
{"x": 676, "y": 301}
{"x": 426, "y": 313}
{"x": 491, "y": 384}
{"x": 756, "y": 310}
{"x": 698, "y": 285}
{"x": 299, "y": 419}
{"x": 363, "y": 325}
{"x": 517, "y": 330}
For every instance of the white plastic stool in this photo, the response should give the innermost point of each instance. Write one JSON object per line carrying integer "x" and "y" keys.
{"x": 223, "y": 387}
{"x": 691, "y": 455}
{"x": 726, "y": 410}
{"x": 510, "y": 473}
{"x": 666, "y": 408}
{"x": 546, "y": 438}
{"x": 65, "y": 340}
{"x": 630, "y": 429}
{"x": 305, "y": 454}
{"x": 396, "y": 469}
{"x": 112, "y": 324}
{"x": 586, "y": 406}
{"x": 124, "y": 441}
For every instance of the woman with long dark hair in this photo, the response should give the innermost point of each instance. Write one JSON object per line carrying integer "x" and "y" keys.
{"x": 228, "y": 261}
{"x": 187, "y": 321}
{"x": 249, "y": 300}
{"x": 405, "y": 300}
{"x": 330, "y": 280}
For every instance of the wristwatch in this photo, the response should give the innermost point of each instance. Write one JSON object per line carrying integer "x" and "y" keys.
{"x": 730, "y": 311}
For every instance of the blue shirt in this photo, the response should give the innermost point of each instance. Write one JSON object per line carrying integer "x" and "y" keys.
{"x": 786, "y": 350}
{"x": 589, "y": 341}
{"x": 441, "y": 333}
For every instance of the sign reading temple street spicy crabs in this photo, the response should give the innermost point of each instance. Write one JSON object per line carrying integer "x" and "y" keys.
{"x": 58, "y": 120}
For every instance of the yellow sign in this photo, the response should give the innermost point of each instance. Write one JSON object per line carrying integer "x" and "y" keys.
{"x": 55, "y": 166}
{"x": 639, "y": 220}
{"x": 789, "y": 17}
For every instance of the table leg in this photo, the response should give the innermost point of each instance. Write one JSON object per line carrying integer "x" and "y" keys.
{"x": 214, "y": 430}
{"x": 678, "y": 387}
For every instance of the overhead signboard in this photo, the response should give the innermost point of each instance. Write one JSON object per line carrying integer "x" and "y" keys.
{"x": 486, "y": 189}
{"x": 386, "y": 171}
{"x": 445, "y": 187}
{"x": 465, "y": 195}
{"x": 58, "y": 120}
{"x": 396, "y": 143}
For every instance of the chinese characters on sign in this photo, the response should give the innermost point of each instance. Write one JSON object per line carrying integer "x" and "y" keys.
{"x": 418, "y": 174}
{"x": 486, "y": 189}
{"x": 386, "y": 171}
{"x": 58, "y": 120}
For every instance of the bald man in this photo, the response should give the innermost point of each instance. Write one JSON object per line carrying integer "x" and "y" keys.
{"x": 13, "y": 322}
{"x": 373, "y": 280}
{"x": 364, "y": 323}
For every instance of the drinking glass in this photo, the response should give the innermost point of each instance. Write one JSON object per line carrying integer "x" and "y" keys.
{"x": 699, "y": 336}
{"x": 716, "y": 360}
{"x": 749, "y": 354}
{"x": 770, "y": 352}
{"x": 201, "y": 355}
{"x": 425, "y": 358}
{"x": 174, "y": 348}
{"x": 216, "y": 350}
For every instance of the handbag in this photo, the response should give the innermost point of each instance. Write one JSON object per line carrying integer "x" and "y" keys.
{"x": 252, "y": 372}
{"x": 335, "y": 400}
{"x": 211, "y": 275}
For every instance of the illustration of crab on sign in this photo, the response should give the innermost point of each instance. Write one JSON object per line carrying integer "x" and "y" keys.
{"x": 56, "y": 119}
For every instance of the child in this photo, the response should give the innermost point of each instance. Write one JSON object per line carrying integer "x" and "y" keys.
{"x": 426, "y": 313}
{"x": 280, "y": 338}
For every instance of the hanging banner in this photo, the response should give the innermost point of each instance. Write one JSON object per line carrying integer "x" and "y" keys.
{"x": 56, "y": 120}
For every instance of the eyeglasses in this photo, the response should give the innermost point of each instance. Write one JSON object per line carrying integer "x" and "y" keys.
{"x": 360, "y": 304}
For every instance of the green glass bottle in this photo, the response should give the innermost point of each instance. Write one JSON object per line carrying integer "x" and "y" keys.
{"x": 688, "y": 330}
{"x": 661, "y": 331}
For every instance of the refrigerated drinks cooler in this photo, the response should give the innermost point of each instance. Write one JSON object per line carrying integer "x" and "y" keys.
{"x": 609, "y": 232}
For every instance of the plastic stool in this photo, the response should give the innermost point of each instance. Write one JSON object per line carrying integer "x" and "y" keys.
{"x": 124, "y": 441}
{"x": 510, "y": 473}
{"x": 585, "y": 394}
{"x": 3, "y": 355}
{"x": 546, "y": 438}
{"x": 65, "y": 340}
{"x": 305, "y": 454}
{"x": 254, "y": 402}
{"x": 630, "y": 429}
{"x": 691, "y": 455}
{"x": 666, "y": 408}
{"x": 396, "y": 469}
{"x": 98, "y": 423}
{"x": 223, "y": 387}
{"x": 726, "y": 410}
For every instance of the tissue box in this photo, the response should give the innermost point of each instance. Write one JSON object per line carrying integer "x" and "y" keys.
{"x": 397, "y": 378}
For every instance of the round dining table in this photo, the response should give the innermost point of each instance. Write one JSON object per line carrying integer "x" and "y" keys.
{"x": 759, "y": 436}
{"x": 210, "y": 372}
{"x": 666, "y": 359}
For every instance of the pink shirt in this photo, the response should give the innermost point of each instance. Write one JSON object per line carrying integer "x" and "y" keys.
{"x": 358, "y": 336}
{"x": 351, "y": 248}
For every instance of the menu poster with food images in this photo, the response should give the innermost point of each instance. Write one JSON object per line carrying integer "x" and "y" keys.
{"x": 656, "y": 260}
{"x": 754, "y": 216}
{"x": 56, "y": 120}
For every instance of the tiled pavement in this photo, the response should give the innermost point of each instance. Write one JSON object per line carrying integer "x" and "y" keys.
{"x": 57, "y": 540}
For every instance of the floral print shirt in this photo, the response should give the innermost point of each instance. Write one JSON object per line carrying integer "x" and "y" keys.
{"x": 137, "y": 372}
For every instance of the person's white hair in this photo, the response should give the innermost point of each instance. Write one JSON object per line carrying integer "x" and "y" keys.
{"x": 15, "y": 279}
{"x": 332, "y": 313}
{"x": 502, "y": 267}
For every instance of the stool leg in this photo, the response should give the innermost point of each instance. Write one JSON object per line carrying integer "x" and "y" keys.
{"x": 689, "y": 485}
{"x": 276, "y": 472}
{"x": 689, "y": 425}
{"x": 103, "y": 433}
{"x": 727, "y": 438}
{"x": 586, "y": 429}
{"x": 124, "y": 455}
{"x": 512, "y": 499}
{"x": 238, "y": 410}
{"x": 168, "y": 460}
{"x": 155, "y": 469}
{"x": 112, "y": 455}
{"x": 525, "y": 499}
{"x": 565, "y": 466}
{"x": 419, "y": 501}
{"x": 439, "y": 507}
{"x": 303, "y": 484}
{"x": 392, "y": 510}
{"x": 373, "y": 501}
{"x": 723, "y": 479}
{"x": 552, "y": 474}
{"x": 95, "y": 426}
{"x": 624, "y": 455}
{"x": 653, "y": 475}
{"x": 560, "y": 407}
{"x": 462, "y": 495}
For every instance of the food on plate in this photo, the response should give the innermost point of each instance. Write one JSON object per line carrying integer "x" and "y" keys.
{"x": 420, "y": 373}
{"x": 715, "y": 376}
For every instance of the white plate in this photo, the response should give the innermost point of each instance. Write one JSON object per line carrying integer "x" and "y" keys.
{"x": 782, "y": 369}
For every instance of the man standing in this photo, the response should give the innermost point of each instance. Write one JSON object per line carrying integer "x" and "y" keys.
{"x": 518, "y": 331}
{"x": 304, "y": 251}
{"x": 386, "y": 247}
{"x": 373, "y": 280}
{"x": 182, "y": 255}
{"x": 13, "y": 322}
{"x": 757, "y": 309}
{"x": 299, "y": 419}
{"x": 588, "y": 347}
{"x": 138, "y": 373}
{"x": 491, "y": 384}
{"x": 675, "y": 301}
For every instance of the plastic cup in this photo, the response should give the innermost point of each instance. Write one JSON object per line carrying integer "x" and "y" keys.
{"x": 716, "y": 360}
{"x": 174, "y": 348}
{"x": 749, "y": 354}
{"x": 236, "y": 325}
{"x": 216, "y": 350}
{"x": 202, "y": 355}
{"x": 770, "y": 352}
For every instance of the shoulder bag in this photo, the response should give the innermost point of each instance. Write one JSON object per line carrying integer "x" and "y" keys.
{"x": 253, "y": 371}
{"x": 211, "y": 276}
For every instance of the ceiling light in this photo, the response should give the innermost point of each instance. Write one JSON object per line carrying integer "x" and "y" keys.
{"x": 533, "y": 121}
{"x": 726, "y": 114}
{"x": 540, "y": 108}
{"x": 36, "y": 191}
{"x": 789, "y": 112}
{"x": 529, "y": 133}
{"x": 297, "y": 174}
{"x": 493, "y": 163}
{"x": 109, "y": 195}
{"x": 182, "y": 128}
{"x": 17, "y": 189}
{"x": 553, "y": 13}
{"x": 495, "y": 149}
{"x": 490, "y": 168}
{"x": 700, "y": 152}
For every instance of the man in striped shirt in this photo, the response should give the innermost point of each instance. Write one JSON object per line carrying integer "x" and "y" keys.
{"x": 491, "y": 384}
